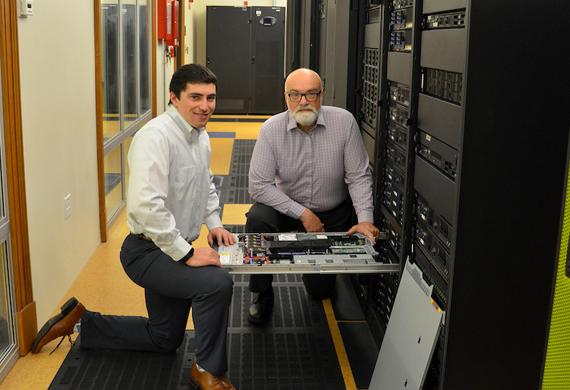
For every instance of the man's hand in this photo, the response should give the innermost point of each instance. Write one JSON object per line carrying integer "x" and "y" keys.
{"x": 311, "y": 222}
{"x": 367, "y": 229}
{"x": 222, "y": 236}
{"x": 203, "y": 257}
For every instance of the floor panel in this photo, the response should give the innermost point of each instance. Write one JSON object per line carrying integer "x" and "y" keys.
{"x": 294, "y": 352}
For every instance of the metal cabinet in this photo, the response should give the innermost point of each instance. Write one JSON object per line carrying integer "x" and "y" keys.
{"x": 245, "y": 49}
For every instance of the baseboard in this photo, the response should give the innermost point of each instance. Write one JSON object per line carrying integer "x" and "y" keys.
{"x": 27, "y": 327}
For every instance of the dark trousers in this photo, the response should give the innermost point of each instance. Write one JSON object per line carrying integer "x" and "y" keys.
{"x": 171, "y": 288}
{"x": 265, "y": 219}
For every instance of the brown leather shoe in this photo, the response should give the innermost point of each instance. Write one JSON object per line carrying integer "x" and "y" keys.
{"x": 206, "y": 381}
{"x": 227, "y": 382}
{"x": 60, "y": 325}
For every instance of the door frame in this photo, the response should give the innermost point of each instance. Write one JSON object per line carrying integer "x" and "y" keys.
{"x": 26, "y": 318}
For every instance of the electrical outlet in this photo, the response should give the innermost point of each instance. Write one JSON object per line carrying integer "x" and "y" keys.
{"x": 67, "y": 206}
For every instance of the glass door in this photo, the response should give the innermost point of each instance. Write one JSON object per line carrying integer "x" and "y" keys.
{"x": 8, "y": 347}
{"x": 125, "y": 34}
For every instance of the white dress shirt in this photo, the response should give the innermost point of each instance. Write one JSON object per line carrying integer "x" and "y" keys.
{"x": 291, "y": 170}
{"x": 170, "y": 191}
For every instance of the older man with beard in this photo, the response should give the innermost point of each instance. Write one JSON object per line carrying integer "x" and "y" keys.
{"x": 309, "y": 172}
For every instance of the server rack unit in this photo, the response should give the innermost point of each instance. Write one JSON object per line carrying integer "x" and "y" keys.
{"x": 388, "y": 110}
{"x": 439, "y": 131}
{"x": 372, "y": 73}
{"x": 397, "y": 125}
{"x": 477, "y": 129}
{"x": 247, "y": 56}
{"x": 375, "y": 292}
{"x": 476, "y": 152}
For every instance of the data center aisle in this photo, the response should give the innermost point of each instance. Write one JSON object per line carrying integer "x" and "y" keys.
{"x": 308, "y": 345}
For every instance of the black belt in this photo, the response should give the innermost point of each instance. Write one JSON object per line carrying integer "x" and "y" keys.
{"x": 142, "y": 236}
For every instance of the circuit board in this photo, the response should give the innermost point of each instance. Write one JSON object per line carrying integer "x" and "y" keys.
{"x": 301, "y": 253}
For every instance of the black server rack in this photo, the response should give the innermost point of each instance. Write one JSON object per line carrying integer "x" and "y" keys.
{"x": 245, "y": 49}
{"x": 376, "y": 292}
{"x": 438, "y": 137}
{"x": 387, "y": 111}
{"x": 469, "y": 158}
{"x": 397, "y": 125}
{"x": 499, "y": 163}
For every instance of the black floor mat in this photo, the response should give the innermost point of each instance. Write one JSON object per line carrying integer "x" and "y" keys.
{"x": 233, "y": 189}
{"x": 295, "y": 351}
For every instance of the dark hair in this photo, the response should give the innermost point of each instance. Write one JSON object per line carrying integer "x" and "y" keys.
{"x": 193, "y": 74}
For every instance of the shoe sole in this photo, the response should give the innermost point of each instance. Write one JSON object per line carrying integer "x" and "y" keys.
{"x": 260, "y": 320}
{"x": 65, "y": 310}
{"x": 195, "y": 385}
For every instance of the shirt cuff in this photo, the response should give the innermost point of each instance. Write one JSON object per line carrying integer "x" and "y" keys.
{"x": 187, "y": 256}
{"x": 365, "y": 216}
{"x": 296, "y": 210}
{"x": 179, "y": 248}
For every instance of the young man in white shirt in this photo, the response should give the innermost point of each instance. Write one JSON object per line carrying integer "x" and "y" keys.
{"x": 170, "y": 196}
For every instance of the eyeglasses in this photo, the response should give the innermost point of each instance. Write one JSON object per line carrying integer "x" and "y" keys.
{"x": 310, "y": 96}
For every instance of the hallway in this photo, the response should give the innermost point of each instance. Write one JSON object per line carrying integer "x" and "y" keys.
{"x": 103, "y": 286}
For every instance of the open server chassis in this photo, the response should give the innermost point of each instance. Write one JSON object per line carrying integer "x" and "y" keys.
{"x": 307, "y": 253}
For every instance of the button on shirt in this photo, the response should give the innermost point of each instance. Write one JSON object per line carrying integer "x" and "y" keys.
{"x": 171, "y": 192}
{"x": 292, "y": 170}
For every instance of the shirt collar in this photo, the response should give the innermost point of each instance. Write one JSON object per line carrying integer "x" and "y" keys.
{"x": 186, "y": 128}
{"x": 292, "y": 123}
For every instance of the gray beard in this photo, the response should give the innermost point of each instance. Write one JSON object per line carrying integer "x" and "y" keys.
{"x": 306, "y": 118}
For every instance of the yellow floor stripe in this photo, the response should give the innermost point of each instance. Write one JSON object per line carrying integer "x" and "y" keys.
{"x": 243, "y": 130}
{"x": 234, "y": 214}
{"x": 339, "y": 346}
{"x": 221, "y": 157}
{"x": 250, "y": 133}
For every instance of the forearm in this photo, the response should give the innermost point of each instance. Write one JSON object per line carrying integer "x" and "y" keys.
{"x": 270, "y": 195}
{"x": 360, "y": 191}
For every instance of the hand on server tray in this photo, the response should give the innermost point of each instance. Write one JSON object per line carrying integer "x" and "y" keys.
{"x": 202, "y": 257}
{"x": 367, "y": 229}
{"x": 311, "y": 222}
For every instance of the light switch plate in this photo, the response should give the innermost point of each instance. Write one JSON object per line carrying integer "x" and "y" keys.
{"x": 23, "y": 8}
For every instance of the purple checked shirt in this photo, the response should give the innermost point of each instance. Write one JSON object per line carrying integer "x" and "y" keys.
{"x": 292, "y": 170}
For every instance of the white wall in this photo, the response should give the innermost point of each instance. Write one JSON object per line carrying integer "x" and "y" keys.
{"x": 199, "y": 10}
{"x": 164, "y": 70}
{"x": 189, "y": 41}
{"x": 57, "y": 72}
